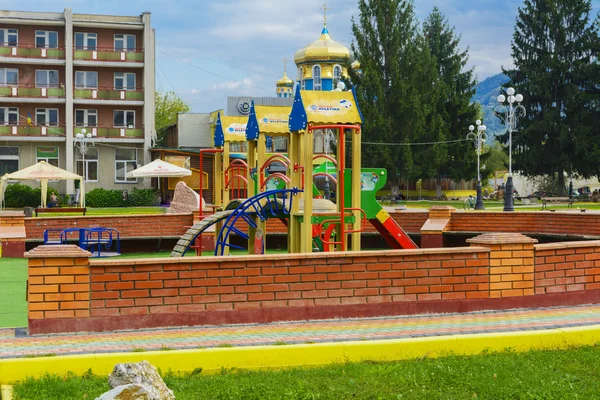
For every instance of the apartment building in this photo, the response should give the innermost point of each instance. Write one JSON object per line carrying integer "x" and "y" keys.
{"x": 63, "y": 74}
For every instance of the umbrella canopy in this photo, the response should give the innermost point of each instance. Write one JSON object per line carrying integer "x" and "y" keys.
{"x": 159, "y": 169}
{"x": 42, "y": 171}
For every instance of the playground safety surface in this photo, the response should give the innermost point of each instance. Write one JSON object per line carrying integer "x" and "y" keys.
{"x": 15, "y": 343}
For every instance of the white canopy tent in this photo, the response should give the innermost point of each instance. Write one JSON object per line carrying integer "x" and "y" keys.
{"x": 43, "y": 172}
{"x": 159, "y": 169}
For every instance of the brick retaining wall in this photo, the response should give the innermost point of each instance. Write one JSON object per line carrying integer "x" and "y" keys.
{"x": 129, "y": 226}
{"x": 69, "y": 292}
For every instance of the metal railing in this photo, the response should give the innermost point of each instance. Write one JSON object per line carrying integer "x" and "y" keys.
{"x": 28, "y": 50}
{"x": 108, "y": 93}
{"x": 108, "y": 54}
{"x": 111, "y": 131}
{"x": 31, "y": 90}
{"x": 32, "y": 130}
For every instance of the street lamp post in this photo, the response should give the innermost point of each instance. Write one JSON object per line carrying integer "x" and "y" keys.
{"x": 83, "y": 141}
{"x": 510, "y": 114}
{"x": 478, "y": 139}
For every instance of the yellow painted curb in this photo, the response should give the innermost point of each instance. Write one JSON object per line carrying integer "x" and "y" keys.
{"x": 257, "y": 357}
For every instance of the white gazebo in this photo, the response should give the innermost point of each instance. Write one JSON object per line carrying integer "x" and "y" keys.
{"x": 43, "y": 172}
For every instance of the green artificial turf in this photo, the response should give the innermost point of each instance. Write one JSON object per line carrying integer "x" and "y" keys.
{"x": 13, "y": 278}
{"x": 565, "y": 374}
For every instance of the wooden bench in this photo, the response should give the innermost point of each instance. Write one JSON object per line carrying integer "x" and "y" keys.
{"x": 556, "y": 200}
{"x": 61, "y": 210}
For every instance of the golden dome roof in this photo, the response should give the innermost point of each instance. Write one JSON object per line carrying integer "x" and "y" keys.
{"x": 322, "y": 49}
{"x": 285, "y": 81}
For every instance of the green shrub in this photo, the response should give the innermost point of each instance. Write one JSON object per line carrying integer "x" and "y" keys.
{"x": 114, "y": 198}
{"x": 18, "y": 196}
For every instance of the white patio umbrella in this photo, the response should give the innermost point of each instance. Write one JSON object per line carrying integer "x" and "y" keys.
{"x": 43, "y": 172}
{"x": 159, "y": 169}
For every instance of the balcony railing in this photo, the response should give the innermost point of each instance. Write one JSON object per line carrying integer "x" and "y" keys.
{"x": 111, "y": 131}
{"x": 32, "y": 130}
{"x": 23, "y": 50}
{"x": 108, "y": 54}
{"x": 108, "y": 93}
{"x": 30, "y": 90}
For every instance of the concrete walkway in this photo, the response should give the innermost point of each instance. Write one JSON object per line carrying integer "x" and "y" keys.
{"x": 16, "y": 344}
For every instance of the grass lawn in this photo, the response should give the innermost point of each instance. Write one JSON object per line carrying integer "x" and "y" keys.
{"x": 494, "y": 205}
{"x": 568, "y": 374}
{"x": 13, "y": 307}
{"x": 111, "y": 211}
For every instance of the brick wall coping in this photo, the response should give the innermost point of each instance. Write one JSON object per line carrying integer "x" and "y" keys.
{"x": 442, "y": 208}
{"x": 501, "y": 238}
{"x": 540, "y": 212}
{"x": 107, "y": 216}
{"x": 336, "y": 256}
{"x": 57, "y": 251}
{"x": 12, "y": 214}
{"x": 567, "y": 245}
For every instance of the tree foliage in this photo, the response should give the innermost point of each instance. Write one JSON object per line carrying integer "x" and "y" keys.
{"x": 167, "y": 106}
{"x": 412, "y": 88}
{"x": 396, "y": 81}
{"x": 555, "y": 48}
{"x": 457, "y": 85}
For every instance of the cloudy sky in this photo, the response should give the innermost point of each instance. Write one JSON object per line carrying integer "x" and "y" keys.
{"x": 208, "y": 50}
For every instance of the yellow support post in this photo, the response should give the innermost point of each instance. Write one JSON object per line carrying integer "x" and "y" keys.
{"x": 356, "y": 192}
{"x": 226, "y": 197}
{"x": 261, "y": 156}
{"x": 293, "y": 223}
{"x": 307, "y": 157}
{"x": 251, "y": 190}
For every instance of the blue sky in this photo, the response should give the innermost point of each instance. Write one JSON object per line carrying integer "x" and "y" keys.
{"x": 208, "y": 50}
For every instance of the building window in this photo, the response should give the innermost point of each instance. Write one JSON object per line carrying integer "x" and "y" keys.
{"x": 46, "y": 39}
{"x": 88, "y": 166}
{"x": 317, "y": 78}
{"x": 86, "y": 80}
{"x": 125, "y": 161}
{"x": 301, "y": 78}
{"x": 46, "y": 78}
{"x": 9, "y": 160}
{"x": 124, "y": 81}
{"x": 86, "y": 41}
{"x": 9, "y": 116}
{"x": 48, "y": 154}
{"x": 337, "y": 75}
{"x": 9, "y": 37}
{"x": 9, "y": 76}
{"x": 124, "y": 118}
{"x": 124, "y": 42}
{"x": 86, "y": 117}
{"x": 46, "y": 116}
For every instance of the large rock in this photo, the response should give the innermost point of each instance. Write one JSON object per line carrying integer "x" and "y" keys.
{"x": 127, "y": 392}
{"x": 144, "y": 374}
{"x": 185, "y": 199}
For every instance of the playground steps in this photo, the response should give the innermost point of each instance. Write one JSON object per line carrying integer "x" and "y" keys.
{"x": 186, "y": 240}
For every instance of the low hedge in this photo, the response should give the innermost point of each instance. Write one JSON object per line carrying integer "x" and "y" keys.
{"x": 19, "y": 196}
{"x": 119, "y": 198}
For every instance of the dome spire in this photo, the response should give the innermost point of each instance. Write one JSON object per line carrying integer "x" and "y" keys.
{"x": 325, "y": 9}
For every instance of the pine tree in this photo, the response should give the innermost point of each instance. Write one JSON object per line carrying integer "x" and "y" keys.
{"x": 395, "y": 86}
{"x": 553, "y": 48}
{"x": 458, "y": 87}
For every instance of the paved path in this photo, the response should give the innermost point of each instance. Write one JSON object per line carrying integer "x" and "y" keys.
{"x": 14, "y": 344}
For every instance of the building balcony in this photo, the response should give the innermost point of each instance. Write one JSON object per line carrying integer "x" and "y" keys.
{"x": 108, "y": 96}
{"x": 31, "y": 54}
{"x": 109, "y": 56}
{"x": 113, "y": 132}
{"x": 38, "y": 131}
{"x": 29, "y": 93}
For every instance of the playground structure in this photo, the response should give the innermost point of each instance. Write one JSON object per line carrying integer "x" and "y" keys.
{"x": 249, "y": 191}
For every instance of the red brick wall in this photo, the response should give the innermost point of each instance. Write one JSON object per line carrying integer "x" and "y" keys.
{"x": 194, "y": 285}
{"x": 165, "y": 225}
{"x": 567, "y": 267}
{"x": 564, "y": 223}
